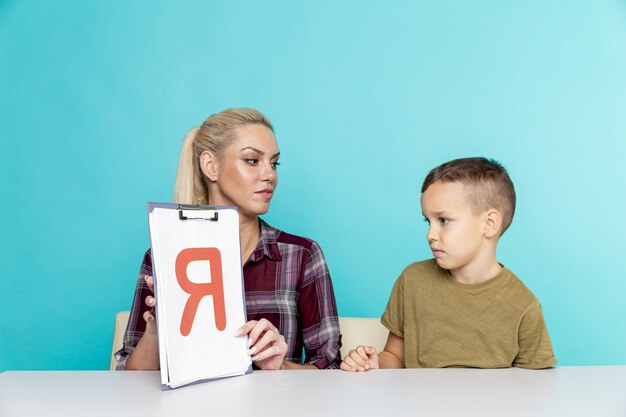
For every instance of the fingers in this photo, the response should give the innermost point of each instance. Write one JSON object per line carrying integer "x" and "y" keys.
{"x": 362, "y": 355}
{"x": 255, "y": 329}
{"x": 359, "y": 359}
{"x": 148, "y": 316}
{"x": 246, "y": 328}
{"x": 150, "y": 301}
{"x": 372, "y": 356}
{"x": 278, "y": 348}
{"x": 351, "y": 365}
{"x": 264, "y": 340}
{"x": 271, "y": 343}
{"x": 344, "y": 366}
{"x": 261, "y": 327}
{"x": 149, "y": 281}
{"x": 370, "y": 350}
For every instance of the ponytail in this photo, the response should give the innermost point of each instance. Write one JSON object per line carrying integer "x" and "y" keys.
{"x": 189, "y": 187}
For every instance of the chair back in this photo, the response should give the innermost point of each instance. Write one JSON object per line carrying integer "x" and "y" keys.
{"x": 361, "y": 331}
{"x": 121, "y": 320}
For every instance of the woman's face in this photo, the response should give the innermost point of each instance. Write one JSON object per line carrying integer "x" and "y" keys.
{"x": 246, "y": 175}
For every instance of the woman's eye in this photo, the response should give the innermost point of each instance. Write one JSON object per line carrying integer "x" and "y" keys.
{"x": 251, "y": 161}
{"x": 275, "y": 164}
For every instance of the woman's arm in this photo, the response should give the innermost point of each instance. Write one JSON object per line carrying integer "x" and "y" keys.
{"x": 318, "y": 313}
{"x": 145, "y": 356}
{"x": 139, "y": 325}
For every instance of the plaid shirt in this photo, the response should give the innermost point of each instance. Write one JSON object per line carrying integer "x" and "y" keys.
{"x": 287, "y": 282}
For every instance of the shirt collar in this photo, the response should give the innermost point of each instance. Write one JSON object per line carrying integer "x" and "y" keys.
{"x": 268, "y": 245}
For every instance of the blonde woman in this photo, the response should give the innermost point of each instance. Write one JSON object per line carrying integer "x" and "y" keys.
{"x": 231, "y": 160}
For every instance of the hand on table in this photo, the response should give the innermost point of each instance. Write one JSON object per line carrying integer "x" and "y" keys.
{"x": 360, "y": 359}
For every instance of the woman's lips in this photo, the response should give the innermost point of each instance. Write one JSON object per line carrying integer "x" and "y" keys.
{"x": 267, "y": 193}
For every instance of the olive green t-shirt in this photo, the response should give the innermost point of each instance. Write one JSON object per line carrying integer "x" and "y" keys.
{"x": 444, "y": 323}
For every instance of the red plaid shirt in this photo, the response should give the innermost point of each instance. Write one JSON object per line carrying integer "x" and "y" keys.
{"x": 287, "y": 282}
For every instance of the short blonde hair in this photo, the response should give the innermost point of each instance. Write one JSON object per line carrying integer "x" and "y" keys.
{"x": 214, "y": 135}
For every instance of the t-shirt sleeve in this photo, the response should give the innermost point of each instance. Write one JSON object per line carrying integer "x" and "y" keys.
{"x": 393, "y": 317}
{"x": 535, "y": 349}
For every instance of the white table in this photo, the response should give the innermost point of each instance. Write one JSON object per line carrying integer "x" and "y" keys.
{"x": 565, "y": 391}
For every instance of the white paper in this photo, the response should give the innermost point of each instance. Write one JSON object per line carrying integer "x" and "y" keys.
{"x": 206, "y": 352}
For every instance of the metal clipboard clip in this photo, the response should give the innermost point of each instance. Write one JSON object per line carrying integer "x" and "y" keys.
{"x": 196, "y": 207}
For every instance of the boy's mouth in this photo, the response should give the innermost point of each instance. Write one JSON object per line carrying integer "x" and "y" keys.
{"x": 437, "y": 252}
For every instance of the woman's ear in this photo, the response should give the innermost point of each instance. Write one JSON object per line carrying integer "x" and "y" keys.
{"x": 209, "y": 165}
{"x": 493, "y": 223}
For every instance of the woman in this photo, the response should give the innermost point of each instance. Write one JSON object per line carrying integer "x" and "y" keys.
{"x": 231, "y": 160}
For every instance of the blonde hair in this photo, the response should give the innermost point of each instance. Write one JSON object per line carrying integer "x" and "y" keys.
{"x": 214, "y": 135}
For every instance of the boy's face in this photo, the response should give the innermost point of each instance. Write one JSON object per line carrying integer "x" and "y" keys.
{"x": 456, "y": 232}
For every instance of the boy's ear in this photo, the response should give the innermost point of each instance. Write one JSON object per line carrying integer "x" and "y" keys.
{"x": 493, "y": 223}
{"x": 208, "y": 165}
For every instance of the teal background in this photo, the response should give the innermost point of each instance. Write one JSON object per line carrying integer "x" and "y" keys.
{"x": 95, "y": 98}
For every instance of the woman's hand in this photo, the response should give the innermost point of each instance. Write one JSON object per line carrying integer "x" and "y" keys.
{"x": 150, "y": 301}
{"x": 266, "y": 345}
{"x": 146, "y": 353}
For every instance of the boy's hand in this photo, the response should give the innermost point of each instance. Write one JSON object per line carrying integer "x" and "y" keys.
{"x": 360, "y": 359}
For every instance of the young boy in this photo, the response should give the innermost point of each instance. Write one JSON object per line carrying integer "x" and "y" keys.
{"x": 462, "y": 308}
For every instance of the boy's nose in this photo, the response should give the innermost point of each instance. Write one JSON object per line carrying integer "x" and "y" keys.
{"x": 430, "y": 235}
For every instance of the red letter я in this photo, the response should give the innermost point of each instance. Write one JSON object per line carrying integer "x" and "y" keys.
{"x": 197, "y": 291}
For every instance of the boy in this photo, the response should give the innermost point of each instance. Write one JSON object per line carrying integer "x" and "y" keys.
{"x": 462, "y": 308}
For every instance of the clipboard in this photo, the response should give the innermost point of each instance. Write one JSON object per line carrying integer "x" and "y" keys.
{"x": 200, "y": 298}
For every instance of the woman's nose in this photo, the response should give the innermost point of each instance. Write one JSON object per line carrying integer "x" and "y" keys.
{"x": 269, "y": 172}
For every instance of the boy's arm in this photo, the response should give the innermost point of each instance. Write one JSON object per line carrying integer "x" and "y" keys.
{"x": 393, "y": 354}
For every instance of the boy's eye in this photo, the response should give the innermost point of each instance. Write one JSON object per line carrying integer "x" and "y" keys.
{"x": 426, "y": 220}
{"x": 444, "y": 220}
